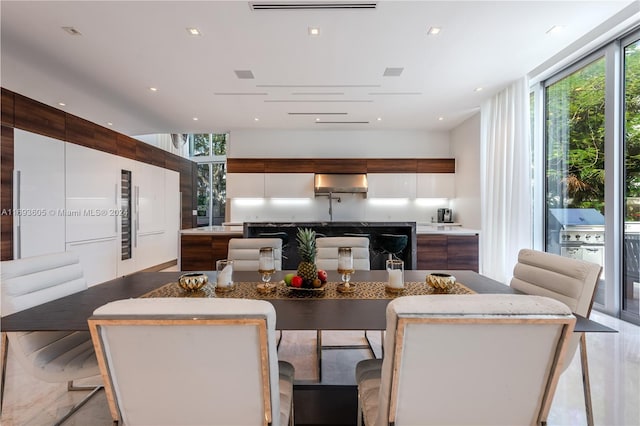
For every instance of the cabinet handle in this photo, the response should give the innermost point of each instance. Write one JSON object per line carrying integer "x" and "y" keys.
{"x": 18, "y": 237}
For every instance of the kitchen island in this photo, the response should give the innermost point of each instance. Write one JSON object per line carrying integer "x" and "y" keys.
{"x": 377, "y": 232}
{"x": 437, "y": 245}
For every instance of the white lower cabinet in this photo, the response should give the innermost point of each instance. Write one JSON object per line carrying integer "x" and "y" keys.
{"x": 150, "y": 249}
{"x": 99, "y": 258}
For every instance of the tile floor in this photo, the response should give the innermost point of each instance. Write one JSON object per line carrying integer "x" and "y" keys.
{"x": 614, "y": 360}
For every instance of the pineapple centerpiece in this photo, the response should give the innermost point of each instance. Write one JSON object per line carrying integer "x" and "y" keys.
{"x": 307, "y": 269}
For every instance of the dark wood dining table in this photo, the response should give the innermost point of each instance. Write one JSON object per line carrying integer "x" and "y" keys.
{"x": 329, "y": 402}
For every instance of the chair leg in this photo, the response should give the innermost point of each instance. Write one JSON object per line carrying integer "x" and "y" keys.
{"x": 319, "y": 353}
{"x": 76, "y": 407}
{"x": 585, "y": 379}
{"x": 4, "y": 355}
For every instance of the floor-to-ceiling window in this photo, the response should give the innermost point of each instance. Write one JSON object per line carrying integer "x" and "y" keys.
{"x": 592, "y": 169}
{"x": 209, "y": 150}
{"x": 631, "y": 126}
{"x": 575, "y": 163}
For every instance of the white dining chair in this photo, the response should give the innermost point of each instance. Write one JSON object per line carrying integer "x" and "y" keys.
{"x": 327, "y": 259}
{"x": 571, "y": 281}
{"x": 245, "y": 252}
{"x": 50, "y": 356}
{"x": 480, "y": 359}
{"x": 192, "y": 362}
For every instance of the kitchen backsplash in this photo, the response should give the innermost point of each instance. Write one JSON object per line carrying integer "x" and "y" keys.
{"x": 351, "y": 207}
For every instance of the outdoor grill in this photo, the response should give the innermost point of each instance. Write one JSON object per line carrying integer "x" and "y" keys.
{"x": 580, "y": 233}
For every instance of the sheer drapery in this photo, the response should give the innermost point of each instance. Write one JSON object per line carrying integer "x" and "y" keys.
{"x": 505, "y": 180}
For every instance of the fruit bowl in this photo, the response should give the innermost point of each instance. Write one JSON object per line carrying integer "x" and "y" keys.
{"x": 193, "y": 281}
{"x": 302, "y": 289}
{"x": 440, "y": 282}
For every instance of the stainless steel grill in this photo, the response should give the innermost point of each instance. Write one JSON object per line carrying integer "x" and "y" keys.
{"x": 580, "y": 234}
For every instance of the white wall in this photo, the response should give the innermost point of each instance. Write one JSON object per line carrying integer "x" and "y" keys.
{"x": 336, "y": 144}
{"x": 465, "y": 147}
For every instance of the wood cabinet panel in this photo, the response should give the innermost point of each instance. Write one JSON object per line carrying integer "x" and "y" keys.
{"x": 245, "y": 165}
{"x": 86, "y": 133}
{"x": 450, "y": 252}
{"x": 436, "y": 165}
{"x": 6, "y": 195}
{"x": 340, "y": 165}
{"x": 196, "y": 253}
{"x": 432, "y": 251}
{"x": 462, "y": 252}
{"x": 126, "y": 146}
{"x": 7, "y": 107}
{"x": 149, "y": 154}
{"x": 39, "y": 118}
{"x": 288, "y": 165}
{"x": 220, "y": 247}
{"x": 397, "y": 165}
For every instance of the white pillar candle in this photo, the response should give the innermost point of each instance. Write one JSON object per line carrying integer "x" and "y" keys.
{"x": 395, "y": 278}
{"x": 264, "y": 264}
{"x": 225, "y": 276}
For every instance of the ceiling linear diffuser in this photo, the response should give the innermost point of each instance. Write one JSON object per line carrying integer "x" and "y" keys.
{"x": 312, "y": 5}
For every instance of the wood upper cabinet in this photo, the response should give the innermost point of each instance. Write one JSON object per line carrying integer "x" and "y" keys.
{"x": 7, "y": 107}
{"x": 86, "y": 133}
{"x": 39, "y": 118}
{"x": 341, "y": 165}
{"x": 448, "y": 252}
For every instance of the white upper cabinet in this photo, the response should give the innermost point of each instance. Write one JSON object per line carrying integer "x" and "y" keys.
{"x": 39, "y": 194}
{"x": 92, "y": 193}
{"x": 288, "y": 185}
{"x": 245, "y": 185}
{"x": 149, "y": 182}
{"x": 436, "y": 185}
{"x": 391, "y": 185}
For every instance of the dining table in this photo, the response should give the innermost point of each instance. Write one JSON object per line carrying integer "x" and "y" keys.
{"x": 325, "y": 402}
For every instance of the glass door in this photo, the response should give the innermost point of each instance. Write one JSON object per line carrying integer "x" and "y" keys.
{"x": 631, "y": 246}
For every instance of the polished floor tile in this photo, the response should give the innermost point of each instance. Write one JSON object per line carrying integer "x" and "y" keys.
{"x": 614, "y": 363}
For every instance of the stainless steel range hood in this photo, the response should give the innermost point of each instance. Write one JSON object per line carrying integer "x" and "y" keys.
{"x": 352, "y": 183}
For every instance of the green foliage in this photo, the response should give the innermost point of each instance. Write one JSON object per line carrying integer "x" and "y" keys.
{"x": 576, "y": 133}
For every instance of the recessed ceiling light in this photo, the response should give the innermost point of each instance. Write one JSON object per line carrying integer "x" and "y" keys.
{"x": 314, "y": 31}
{"x": 256, "y": 119}
{"x": 379, "y": 118}
{"x": 194, "y": 31}
{"x": 440, "y": 118}
{"x": 555, "y": 29}
{"x": 434, "y": 30}
{"x": 72, "y": 31}
{"x": 195, "y": 118}
{"x": 153, "y": 89}
{"x": 62, "y": 104}
{"x": 109, "y": 123}
{"x": 318, "y": 119}
{"x": 478, "y": 89}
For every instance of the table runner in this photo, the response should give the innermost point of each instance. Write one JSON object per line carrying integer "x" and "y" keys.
{"x": 247, "y": 290}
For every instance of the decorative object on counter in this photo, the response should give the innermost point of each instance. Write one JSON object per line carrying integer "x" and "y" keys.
{"x": 266, "y": 267}
{"x": 307, "y": 269}
{"x": 193, "y": 281}
{"x": 395, "y": 272}
{"x": 345, "y": 267}
{"x": 440, "y": 282}
{"x": 224, "y": 277}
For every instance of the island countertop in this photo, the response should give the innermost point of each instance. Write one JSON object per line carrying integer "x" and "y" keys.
{"x": 214, "y": 230}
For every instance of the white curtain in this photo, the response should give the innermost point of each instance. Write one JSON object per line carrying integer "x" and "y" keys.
{"x": 505, "y": 180}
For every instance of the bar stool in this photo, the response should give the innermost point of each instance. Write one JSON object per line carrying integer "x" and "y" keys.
{"x": 392, "y": 244}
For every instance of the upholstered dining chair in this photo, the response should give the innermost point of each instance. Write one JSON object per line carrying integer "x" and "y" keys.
{"x": 571, "y": 281}
{"x": 245, "y": 252}
{"x": 327, "y": 259}
{"x": 50, "y": 356}
{"x": 488, "y": 359}
{"x": 192, "y": 361}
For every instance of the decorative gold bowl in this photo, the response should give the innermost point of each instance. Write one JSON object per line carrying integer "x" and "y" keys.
{"x": 441, "y": 283}
{"x": 193, "y": 281}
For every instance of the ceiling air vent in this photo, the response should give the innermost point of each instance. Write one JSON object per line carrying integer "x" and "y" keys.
{"x": 298, "y": 5}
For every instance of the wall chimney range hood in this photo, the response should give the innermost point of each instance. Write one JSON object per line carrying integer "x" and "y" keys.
{"x": 329, "y": 183}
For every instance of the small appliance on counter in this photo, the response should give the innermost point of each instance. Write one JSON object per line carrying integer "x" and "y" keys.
{"x": 445, "y": 216}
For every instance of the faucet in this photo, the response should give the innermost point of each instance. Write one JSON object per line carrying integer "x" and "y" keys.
{"x": 331, "y": 198}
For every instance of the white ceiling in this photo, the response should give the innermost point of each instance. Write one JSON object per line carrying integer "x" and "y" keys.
{"x": 104, "y": 75}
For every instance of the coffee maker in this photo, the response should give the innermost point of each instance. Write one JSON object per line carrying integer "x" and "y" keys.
{"x": 445, "y": 216}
